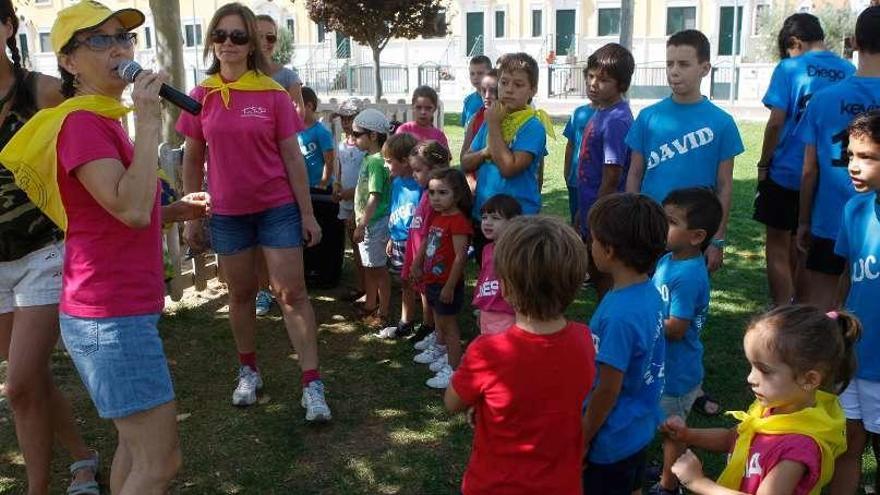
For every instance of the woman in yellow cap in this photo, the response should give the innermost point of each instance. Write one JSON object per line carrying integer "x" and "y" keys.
{"x": 113, "y": 288}
{"x": 259, "y": 196}
{"x": 30, "y": 261}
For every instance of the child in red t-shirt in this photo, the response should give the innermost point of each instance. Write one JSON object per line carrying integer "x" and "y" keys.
{"x": 440, "y": 265}
{"x": 527, "y": 385}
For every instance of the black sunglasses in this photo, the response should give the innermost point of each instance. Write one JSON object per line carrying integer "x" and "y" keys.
{"x": 237, "y": 37}
{"x": 103, "y": 42}
{"x": 358, "y": 134}
{"x": 271, "y": 38}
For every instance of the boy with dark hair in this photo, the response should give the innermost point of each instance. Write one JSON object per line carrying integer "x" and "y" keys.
{"x": 685, "y": 140}
{"x": 681, "y": 277}
{"x": 527, "y": 384}
{"x": 316, "y": 143}
{"x": 479, "y": 66}
{"x": 603, "y": 156}
{"x": 859, "y": 244}
{"x": 825, "y": 186}
{"x": 806, "y": 67}
{"x": 629, "y": 233}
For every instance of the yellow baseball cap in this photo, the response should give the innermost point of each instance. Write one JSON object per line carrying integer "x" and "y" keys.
{"x": 89, "y": 14}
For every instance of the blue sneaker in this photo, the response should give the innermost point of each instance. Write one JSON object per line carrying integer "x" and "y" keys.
{"x": 264, "y": 302}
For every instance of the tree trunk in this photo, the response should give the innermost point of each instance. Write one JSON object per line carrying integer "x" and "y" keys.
{"x": 377, "y": 76}
{"x": 169, "y": 57}
{"x": 627, "y": 12}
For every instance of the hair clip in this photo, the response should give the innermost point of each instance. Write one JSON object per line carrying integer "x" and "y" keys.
{"x": 832, "y": 314}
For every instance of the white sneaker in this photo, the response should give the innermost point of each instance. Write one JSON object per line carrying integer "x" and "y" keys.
{"x": 313, "y": 400}
{"x": 426, "y": 342}
{"x": 439, "y": 363}
{"x": 430, "y": 354}
{"x": 441, "y": 379}
{"x": 249, "y": 382}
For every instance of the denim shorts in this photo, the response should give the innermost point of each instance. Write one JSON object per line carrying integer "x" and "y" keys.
{"x": 120, "y": 361}
{"x": 279, "y": 227}
{"x": 372, "y": 248}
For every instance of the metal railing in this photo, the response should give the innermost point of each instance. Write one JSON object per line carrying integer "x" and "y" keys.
{"x": 430, "y": 74}
{"x": 346, "y": 79}
{"x": 477, "y": 49}
{"x": 566, "y": 81}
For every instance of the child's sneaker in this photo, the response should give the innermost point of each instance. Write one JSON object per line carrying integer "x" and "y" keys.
{"x": 439, "y": 363}
{"x": 249, "y": 382}
{"x": 426, "y": 342}
{"x": 420, "y": 333}
{"x": 441, "y": 379}
{"x": 398, "y": 331}
{"x": 313, "y": 400}
{"x": 430, "y": 354}
{"x": 264, "y": 302}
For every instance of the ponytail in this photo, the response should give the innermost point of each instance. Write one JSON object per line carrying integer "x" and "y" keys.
{"x": 806, "y": 338}
{"x": 850, "y": 330}
{"x": 433, "y": 154}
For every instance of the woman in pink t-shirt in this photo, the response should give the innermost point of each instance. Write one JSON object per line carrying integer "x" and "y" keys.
{"x": 260, "y": 196}
{"x": 113, "y": 278}
{"x": 424, "y": 104}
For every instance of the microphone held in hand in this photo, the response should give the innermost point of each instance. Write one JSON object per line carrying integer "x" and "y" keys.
{"x": 129, "y": 71}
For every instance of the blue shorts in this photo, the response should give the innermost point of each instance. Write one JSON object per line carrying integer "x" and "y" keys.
{"x": 279, "y": 227}
{"x": 432, "y": 292}
{"x": 120, "y": 361}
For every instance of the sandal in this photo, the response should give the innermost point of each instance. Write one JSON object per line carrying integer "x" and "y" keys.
{"x": 704, "y": 403}
{"x": 85, "y": 487}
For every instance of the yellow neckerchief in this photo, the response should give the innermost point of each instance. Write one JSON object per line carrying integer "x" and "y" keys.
{"x": 249, "y": 81}
{"x": 32, "y": 158}
{"x": 824, "y": 423}
{"x": 514, "y": 120}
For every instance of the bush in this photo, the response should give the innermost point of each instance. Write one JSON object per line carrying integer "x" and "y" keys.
{"x": 283, "y": 47}
{"x": 837, "y": 22}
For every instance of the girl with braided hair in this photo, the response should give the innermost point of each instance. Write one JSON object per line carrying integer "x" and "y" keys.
{"x": 31, "y": 252}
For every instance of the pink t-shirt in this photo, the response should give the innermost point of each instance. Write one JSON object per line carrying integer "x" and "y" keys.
{"x": 767, "y": 451}
{"x": 245, "y": 171}
{"x": 418, "y": 230}
{"x": 110, "y": 269}
{"x": 423, "y": 133}
{"x": 487, "y": 292}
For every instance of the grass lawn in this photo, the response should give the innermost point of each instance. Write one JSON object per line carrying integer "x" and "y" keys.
{"x": 390, "y": 433}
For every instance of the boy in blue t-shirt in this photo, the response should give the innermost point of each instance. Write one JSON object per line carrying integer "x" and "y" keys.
{"x": 478, "y": 68}
{"x": 603, "y": 156}
{"x": 859, "y": 243}
{"x": 685, "y": 140}
{"x": 316, "y": 144}
{"x": 574, "y": 132}
{"x": 825, "y": 186}
{"x": 683, "y": 281}
{"x": 405, "y": 196}
{"x": 806, "y": 67}
{"x": 623, "y": 410}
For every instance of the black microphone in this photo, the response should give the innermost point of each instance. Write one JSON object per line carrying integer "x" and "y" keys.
{"x": 129, "y": 70}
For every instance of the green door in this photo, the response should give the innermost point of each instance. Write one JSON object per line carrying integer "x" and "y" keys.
{"x": 564, "y": 31}
{"x": 725, "y": 35}
{"x": 474, "y": 34}
{"x": 343, "y": 48}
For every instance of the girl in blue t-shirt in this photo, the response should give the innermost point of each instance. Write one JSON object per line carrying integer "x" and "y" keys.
{"x": 806, "y": 67}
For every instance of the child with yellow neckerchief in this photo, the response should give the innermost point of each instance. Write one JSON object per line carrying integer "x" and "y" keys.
{"x": 507, "y": 150}
{"x": 788, "y": 440}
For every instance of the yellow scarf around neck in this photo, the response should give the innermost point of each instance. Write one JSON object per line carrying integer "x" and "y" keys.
{"x": 249, "y": 81}
{"x": 824, "y": 423}
{"x": 514, "y": 120}
{"x": 32, "y": 158}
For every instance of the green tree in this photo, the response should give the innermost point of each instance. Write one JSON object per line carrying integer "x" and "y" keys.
{"x": 283, "y": 47}
{"x": 376, "y": 22}
{"x": 837, "y": 22}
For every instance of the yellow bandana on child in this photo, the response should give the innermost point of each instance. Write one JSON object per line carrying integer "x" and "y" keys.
{"x": 824, "y": 423}
{"x": 249, "y": 81}
{"x": 514, "y": 120}
{"x": 31, "y": 155}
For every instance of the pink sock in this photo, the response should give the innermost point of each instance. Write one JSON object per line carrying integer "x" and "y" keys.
{"x": 308, "y": 376}
{"x": 248, "y": 359}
